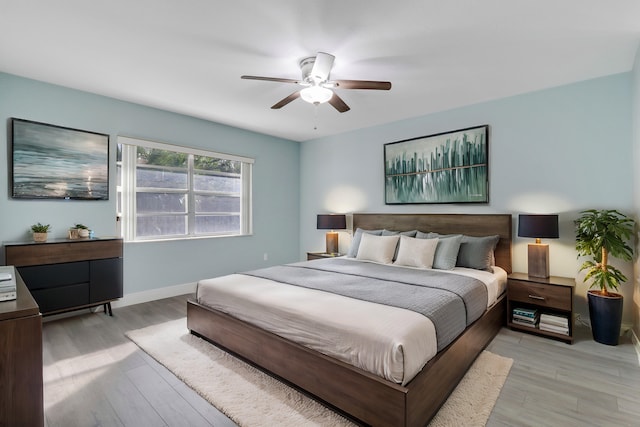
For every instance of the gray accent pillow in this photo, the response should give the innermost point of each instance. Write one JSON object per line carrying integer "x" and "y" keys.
{"x": 446, "y": 251}
{"x": 432, "y": 235}
{"x": 355, "y": 242}
{"x": 421, "y": 235}
{"x": 477, "y": 252}
{"x": 411, "y": 233}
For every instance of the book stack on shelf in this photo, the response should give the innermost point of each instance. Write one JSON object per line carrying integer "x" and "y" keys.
{"x": 7, "y": 284}
{"x": 526, "y": 317}
{"x": 554, "y": 323}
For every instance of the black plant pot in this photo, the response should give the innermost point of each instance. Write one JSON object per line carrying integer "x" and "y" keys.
{"x": 605, "y": 313}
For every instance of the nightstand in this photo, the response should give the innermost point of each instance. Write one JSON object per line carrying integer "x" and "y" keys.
{"x": 320, "y": 255}
{"x": 552, "y": 296}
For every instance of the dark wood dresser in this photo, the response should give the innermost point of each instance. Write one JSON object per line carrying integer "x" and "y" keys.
{"x": 64, "y": 275}
{"x": 21, "y": 391}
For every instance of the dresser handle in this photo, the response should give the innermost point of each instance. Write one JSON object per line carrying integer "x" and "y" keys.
{"x": 537, "y": 297}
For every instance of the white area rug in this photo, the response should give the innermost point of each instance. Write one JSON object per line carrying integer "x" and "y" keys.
{"x": 251, "y": 398}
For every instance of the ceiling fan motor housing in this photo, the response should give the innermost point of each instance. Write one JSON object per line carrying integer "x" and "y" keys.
{"x": 306, "y": 66}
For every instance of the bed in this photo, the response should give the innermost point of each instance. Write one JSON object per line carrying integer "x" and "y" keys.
{"x": 356, "y": 392}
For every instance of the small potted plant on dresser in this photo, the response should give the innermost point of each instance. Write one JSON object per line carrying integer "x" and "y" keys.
{"x": 600, "y": 234}
{"x": 79, "y": 231}
{"x": 40, "y": 232}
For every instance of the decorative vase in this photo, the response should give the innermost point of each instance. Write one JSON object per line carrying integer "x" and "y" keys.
{"x": 605, "y": 313}
{"x": 40, "y": 237}
{"x": 83, "y": 232}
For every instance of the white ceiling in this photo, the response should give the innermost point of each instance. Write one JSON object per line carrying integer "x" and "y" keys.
{"x": 188, "y": 56}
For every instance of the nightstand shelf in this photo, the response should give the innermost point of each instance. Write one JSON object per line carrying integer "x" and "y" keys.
{"x": 320, "y": 255}
{"x": 553, "y": 295}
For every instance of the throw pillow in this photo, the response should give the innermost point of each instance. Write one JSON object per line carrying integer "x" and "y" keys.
{"x": 377, "y": 248}
{"x": 477, "y": 252}
{"x": 355, "y": 242}
{"x": 414, "y": 252}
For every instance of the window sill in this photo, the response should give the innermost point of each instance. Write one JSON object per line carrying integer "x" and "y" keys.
{"x": 173, "y": 239}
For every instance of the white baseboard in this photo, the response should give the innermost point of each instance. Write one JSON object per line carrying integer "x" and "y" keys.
{"x": 154, "y": 294}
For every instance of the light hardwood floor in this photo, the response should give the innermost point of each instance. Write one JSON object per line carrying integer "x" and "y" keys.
{"x": 95, "y": 376}
{"x": 556, "y": 384}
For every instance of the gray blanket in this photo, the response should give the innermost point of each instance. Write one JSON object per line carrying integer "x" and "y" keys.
{"x": 450, "y": 301}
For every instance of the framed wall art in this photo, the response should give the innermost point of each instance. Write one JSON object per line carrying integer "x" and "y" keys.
{"x": 450, "y": 167}
{"x": 54, "y": 162}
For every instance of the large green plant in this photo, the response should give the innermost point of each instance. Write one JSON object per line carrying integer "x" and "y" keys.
{"x": 600, "y": 233}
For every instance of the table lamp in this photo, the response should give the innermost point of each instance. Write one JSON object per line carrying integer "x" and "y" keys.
{"x": 332, "y": 222}
{"x": 538, "y": 227}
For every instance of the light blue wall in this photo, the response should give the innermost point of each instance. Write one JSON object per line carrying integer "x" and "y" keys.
{"x": 636, "y": 194}
{"x": 544, "y": 147}
{"x": 159, "y": 264}
{"x": 559, "y": 150}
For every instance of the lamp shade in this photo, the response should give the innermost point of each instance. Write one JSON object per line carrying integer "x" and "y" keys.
{"x": 332, "y": 222}
{"x": 538, "y": 226}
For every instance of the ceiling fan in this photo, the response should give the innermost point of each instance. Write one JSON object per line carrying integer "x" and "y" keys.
{"x": 317, "y": 85}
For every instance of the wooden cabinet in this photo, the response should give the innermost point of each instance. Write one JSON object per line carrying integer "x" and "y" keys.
{"x": 552, "y": 295}
{"x": 65, "y": 275}
{"x": 320, "y": 255}
{"x": 21, "y": 402}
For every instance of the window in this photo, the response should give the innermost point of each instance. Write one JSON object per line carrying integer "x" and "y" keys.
{"x": 166, "y": 191}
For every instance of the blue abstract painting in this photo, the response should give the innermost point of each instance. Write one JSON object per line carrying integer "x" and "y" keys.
{"x": 451, "y": 167}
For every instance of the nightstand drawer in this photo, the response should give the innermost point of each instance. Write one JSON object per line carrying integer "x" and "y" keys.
{"x": 320, "y": 255}
{"x": 558, "y": 297}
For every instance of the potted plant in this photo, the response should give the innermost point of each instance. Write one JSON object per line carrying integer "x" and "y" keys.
{"x": 40, "y": 232}
{"x": 83, "y": 230}
{"x": 600, "y": 234}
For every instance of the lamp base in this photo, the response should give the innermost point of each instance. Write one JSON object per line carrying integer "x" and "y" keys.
{"x": 538, "y": 260}
{"x": 332, "y": 242}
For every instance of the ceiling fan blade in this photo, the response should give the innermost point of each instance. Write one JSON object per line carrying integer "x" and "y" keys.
{"x": 271, "y": 79}
{"x": 362, "y": 84}
{"x": 322, "y": 66}
{"x": 285, "y": 101}
{"x": 338, "y": 103}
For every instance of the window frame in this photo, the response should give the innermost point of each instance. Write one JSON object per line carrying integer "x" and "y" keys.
{"x": 127, "y": 191}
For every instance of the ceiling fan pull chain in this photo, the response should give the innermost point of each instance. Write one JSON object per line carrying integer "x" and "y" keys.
{"x": 315, "y": 116}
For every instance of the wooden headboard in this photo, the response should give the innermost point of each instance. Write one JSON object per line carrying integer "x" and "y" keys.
{"x": 469, "y": 224}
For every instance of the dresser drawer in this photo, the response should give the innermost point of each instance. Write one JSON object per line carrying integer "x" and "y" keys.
{"x": 558, "y": 297}
{"x": 61, "y": 298}
{"x": 61, "y": 251}
{"x": 55, "y": 275}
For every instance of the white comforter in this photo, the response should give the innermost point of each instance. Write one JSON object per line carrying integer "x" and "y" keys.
{"x": 390, "y": 342}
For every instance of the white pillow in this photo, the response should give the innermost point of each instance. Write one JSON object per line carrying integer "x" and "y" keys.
{"x": 377, "y": 248}
{"x": 416, "y": 252}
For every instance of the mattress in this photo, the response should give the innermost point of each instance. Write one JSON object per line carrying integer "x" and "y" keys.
{"x": 393, "y": 343}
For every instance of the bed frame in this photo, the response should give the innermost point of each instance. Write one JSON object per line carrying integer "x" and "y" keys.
{"x": 365, "y": 397}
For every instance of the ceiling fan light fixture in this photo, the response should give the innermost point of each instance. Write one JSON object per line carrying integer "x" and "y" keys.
{"x": 316, "y": 94}
{"x": 317, "y": 84}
